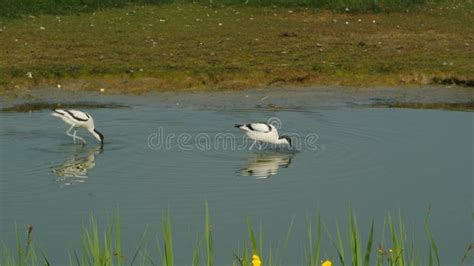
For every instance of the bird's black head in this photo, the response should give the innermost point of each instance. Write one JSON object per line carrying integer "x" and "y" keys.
{"x": 287, "y": 138}
{"x": 101, "y": 137}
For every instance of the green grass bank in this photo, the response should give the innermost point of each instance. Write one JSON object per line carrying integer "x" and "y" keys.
{"x": 139, "y": 47}
{"x": 16, "y": 8}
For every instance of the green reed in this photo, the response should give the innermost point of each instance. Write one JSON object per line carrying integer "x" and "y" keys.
{"x": 256, "y": 245}
{"x": 313, "y": 249}
{"x": 167, "y": 255}
{"x": 208, "y": 237}
{"x": 392, "y": 246}
{"x": 97, "y": 250}
{"x": 24, "y": 253}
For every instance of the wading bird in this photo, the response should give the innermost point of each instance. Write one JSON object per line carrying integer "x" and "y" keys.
{"x": 78, "y": 119}
{"x": 264, "y": 132}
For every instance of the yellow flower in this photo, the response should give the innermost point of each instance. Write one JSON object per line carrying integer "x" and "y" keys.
{"x": 256, "y": 260}
{"x": 326, "y": 263}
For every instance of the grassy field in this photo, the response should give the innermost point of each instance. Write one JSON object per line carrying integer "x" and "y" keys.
{"x": 103, "y": 246}
{"x": 17, "y": 8}
{"x": 139, "y": 48}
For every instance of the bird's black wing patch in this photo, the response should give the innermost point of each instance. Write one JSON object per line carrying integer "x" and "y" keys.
{"x": 75, "y": 117}
{"x": 269, "y": 127}
{"x": 259, "y": 127}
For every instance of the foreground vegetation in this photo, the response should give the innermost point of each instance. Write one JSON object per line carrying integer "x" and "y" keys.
{"x": 389, "y": 247}
{"x": 139, "y": 48}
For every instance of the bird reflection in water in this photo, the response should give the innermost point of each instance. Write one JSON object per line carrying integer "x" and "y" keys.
{"x": 77, "y": 165}
{"x": 266, "y": 164}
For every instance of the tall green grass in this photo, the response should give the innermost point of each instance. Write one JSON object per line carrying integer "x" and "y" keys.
{"x": 313, "y": 249}
{"x": 166, "y": 251}
{"x": 208, "y": 238}
{"x": 16, "y": 8}
{"x": 97, "y": 250}
{"x": 392, "y": 246}
{"x": 23, "y": 253}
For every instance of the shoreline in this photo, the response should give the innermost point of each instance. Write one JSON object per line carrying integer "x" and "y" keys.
{"x": 131, "y": 86}
{"x": 275, "y": 98}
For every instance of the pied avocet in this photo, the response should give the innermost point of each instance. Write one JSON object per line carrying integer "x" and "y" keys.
{"x": 264, "y": 132}
{"x": 78, "y": 119}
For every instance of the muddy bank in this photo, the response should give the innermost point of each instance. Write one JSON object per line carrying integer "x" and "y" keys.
{"x": 41, "y": 105}
{"x": 467, "y": 106}
{"x": 273, "y": 98}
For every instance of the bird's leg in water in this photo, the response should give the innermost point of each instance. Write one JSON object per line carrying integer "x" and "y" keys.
{"x": 253, "y": 144}
{"x": 68, "y": 132}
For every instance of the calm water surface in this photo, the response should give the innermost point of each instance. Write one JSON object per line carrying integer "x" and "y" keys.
{"x": 378, "y": 160}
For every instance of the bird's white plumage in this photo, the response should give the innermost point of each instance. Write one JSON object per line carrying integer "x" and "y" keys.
{"x": 78, "y": 115}
{"x": 261, "y": 127}
{"x": 74, "y": 117}
{"x": 263, "y": 132}
{"x": 77, "y": 119}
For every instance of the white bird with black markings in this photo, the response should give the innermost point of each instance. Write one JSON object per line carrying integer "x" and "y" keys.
{"x": 78, "y": 119}
{"x": 264, "y": 132}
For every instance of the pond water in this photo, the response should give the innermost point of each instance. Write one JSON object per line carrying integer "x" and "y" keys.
{"x": 376, "y": 160}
